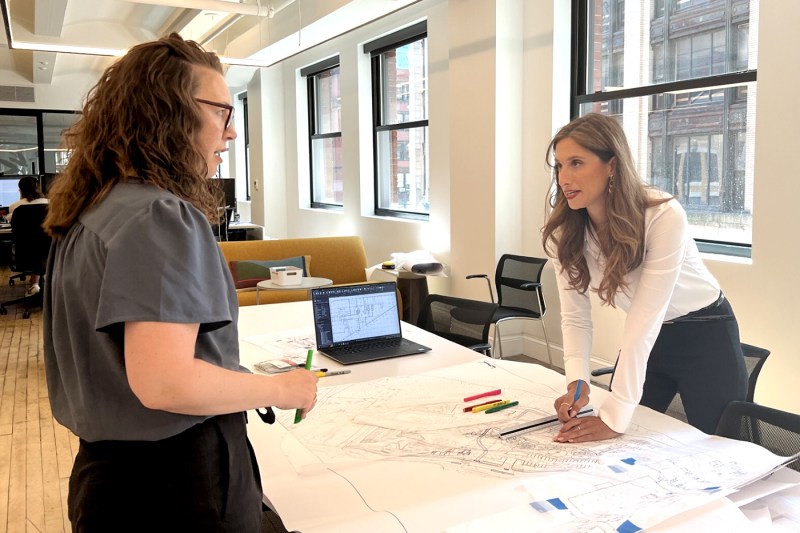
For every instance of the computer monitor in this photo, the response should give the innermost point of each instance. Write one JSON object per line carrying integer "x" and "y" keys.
{"x": 9, "y": 190}
{"x": 228, "y": 187}
{"x": 45, "y": 180}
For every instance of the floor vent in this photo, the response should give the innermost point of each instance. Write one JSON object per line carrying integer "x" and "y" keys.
{"x": 9, "y": 93}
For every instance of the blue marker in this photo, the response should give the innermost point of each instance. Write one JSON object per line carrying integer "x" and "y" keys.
{"x": 577, "y": 394}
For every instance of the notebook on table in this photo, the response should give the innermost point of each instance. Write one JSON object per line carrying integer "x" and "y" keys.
{"x": 360, "y": 323}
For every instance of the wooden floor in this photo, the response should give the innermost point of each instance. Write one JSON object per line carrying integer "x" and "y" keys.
{"x": 36, "y": 453}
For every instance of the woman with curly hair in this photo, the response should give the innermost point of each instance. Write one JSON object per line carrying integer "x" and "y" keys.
{"x": 610, "y": 234}
{"x": 140, "y": 317}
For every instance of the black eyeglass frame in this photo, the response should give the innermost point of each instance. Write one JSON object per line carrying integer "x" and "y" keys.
{"x": 229, "y": 107}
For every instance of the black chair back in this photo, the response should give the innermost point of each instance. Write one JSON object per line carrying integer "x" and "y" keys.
{"x": 515, "y": 278}
{"x": 776, "y": 430}
{"x": 31, "y": 243}
{"x": 465, "y": 322}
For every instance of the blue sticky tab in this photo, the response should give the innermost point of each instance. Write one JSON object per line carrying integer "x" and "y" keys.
{"x": 545, "y": 506}
{"x": 629, "y": 460}
{"x": 628, "y": 527}
{"x": 541, "y": 507}
{"x": 711, "y": 489}
{"x": 557, "y": 503}
{"x": 616, "y": 469}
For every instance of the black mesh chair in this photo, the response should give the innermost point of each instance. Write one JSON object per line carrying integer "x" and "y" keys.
{"x": 754, "y": 359}
{"x": 465, "y": 322}
{"x": 519, "y": 294}
{"x": 776, "y": 430}
{"x": 31, "y": 246}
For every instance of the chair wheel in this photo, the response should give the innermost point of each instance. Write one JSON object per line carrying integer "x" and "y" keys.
{"x": 3, "y": 310}
{"x": 26, "y": 314}
{"x": 11, "y": 283}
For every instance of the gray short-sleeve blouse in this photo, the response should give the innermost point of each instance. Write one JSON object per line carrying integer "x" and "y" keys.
{"x": 142, "y": 254}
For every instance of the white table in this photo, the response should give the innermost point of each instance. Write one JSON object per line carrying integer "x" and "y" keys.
{"x": 399, "y": 493}
{"x": 306, "y": 283}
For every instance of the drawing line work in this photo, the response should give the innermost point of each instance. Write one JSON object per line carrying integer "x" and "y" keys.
{"x": 374, "y": 315}
{"x": 420, "y": 420}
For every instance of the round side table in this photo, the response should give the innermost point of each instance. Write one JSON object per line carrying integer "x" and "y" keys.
{"x": 305, "y": 283}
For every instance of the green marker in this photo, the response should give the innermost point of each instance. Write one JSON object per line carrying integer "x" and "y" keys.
{"x": 298, "y": 415}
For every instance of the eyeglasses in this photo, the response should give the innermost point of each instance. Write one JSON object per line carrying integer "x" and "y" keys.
{"x": 228, "y": 107}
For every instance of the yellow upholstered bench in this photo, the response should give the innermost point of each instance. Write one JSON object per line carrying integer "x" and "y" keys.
{"x": 340, "y": 259}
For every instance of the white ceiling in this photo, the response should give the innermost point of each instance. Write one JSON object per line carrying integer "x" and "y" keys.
{"x": 46, "y": 33}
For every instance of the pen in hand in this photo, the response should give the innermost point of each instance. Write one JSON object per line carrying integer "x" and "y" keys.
{"x": 576, "y": 397}
{"x": 298, "y": 415}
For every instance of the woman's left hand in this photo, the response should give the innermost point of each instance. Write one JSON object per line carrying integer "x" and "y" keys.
{"x": 584, "y": 429}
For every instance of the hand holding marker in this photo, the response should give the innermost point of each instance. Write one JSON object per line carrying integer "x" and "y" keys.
{"x": 298, "y": 415}
{"x": 576, "y": 397}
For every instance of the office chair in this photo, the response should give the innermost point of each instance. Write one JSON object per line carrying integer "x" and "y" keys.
{"x": 519, "y": 294}
{"x": 754, "y": 359}
{"x": 776, "y": 430}
{"x": 31, "y": 246}
{"x": 465, "y": 322}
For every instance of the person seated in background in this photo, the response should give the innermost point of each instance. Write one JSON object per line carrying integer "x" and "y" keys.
{"x": 29, "y": 193}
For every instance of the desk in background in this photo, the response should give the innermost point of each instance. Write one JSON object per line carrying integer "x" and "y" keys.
{"x": 371, "y": 457}
{"x": 6, "y": 244}
{"x": 239, "y": 231}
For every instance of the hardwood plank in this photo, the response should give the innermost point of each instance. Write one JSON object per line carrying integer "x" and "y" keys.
{"x": 50, "y": 480}
{"x": 16, "y": 482}
{"x": 5, "y": 472}
{"x": 34, "y": 488}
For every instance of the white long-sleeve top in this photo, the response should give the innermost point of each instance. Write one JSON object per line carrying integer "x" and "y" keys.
{"x": 671, "y": 281}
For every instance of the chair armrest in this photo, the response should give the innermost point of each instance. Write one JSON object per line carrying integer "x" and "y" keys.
{"x": 531, "y": 285}
{"x": 488, "y": 284}
{"x": 602, "y": 371}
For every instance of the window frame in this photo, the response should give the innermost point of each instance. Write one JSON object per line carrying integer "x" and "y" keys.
{"x": 579, "y": 95}
{"x": 311, "y": 73}
{"x": 376, "y": 49}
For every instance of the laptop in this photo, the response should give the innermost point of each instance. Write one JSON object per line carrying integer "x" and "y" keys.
{"x": 360, "y": 323}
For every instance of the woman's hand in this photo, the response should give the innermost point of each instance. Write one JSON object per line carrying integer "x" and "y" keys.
{"x": 585, "y": 429}
{"x": 298, "y": 390}
{"x": 566, "y": 406}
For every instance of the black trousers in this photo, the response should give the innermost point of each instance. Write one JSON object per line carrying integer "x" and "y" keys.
{"x": 700, "y": 357}
{"x": 202, "y": 480}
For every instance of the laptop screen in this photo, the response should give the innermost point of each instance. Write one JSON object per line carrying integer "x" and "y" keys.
{"x": 352, "y": 313}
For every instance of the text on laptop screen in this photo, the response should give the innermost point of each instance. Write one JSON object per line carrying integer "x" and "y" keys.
{"x": 345, "y": 314}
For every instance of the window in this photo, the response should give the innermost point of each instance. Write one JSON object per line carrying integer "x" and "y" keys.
{"x": 246, "y": 135}
{"x": 325, "y": 133}
{"x": 400, "y": 120}
{"x": 31, "y": 144}
{"x": 686, "y": 99}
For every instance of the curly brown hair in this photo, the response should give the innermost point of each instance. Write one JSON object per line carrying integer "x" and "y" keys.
{"x": 139, "y": 123}
{"x": 621, "y": 240}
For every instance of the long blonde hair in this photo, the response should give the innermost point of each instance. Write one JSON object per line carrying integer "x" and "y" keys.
{"x": 139, "y": 122}
{"x": 622, "y": 239}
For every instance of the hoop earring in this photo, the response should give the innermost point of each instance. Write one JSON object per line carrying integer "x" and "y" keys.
{"x": 610, "y": 183}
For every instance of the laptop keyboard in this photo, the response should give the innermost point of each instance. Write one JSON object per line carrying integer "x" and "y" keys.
{"x": 367, "y": 346}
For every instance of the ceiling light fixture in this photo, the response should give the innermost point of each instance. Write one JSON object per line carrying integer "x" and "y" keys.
{"x": 68, "y": 49}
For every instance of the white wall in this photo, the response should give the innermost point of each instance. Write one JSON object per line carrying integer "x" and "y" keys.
{"x": 489, "y": 126}
{"x": 499, "y": 88}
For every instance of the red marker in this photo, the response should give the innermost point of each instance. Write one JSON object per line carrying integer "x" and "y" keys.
{"x": 483, "y": 395}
